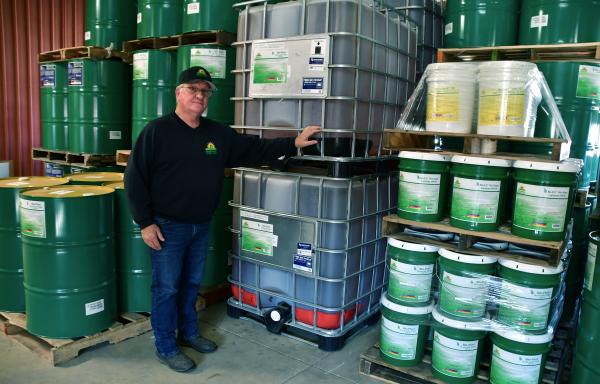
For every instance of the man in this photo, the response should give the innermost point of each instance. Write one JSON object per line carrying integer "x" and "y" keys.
{"x": 173, "y": 181}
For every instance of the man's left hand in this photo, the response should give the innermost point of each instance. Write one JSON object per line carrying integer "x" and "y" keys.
{"x": 303, "y": 139}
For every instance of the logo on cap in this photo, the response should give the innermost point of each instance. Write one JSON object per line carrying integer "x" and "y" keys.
{"x": 202, "y": 73}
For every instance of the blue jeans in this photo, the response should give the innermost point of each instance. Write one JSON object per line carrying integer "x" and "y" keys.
{"x": 177, "y": 271}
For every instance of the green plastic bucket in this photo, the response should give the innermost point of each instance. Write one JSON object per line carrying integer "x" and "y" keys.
{"x": 479, "y": 187}
{"x": 518, "y": 357}
{"x": 457, "y": 349}
{"x": 411, "y": 272}
{"x": 464, "y": 283}
{"x": 526, "y": 294}
{"x": 423, "y": 186}
{"x": 404, "y": 333}
{"x": 543, "y": 199}
{"x": 585, "y": 369}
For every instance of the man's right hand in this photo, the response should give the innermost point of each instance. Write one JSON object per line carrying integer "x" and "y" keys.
{"x": 152, "y": 237}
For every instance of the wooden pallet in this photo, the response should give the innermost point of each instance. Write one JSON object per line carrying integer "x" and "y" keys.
{"x": 393, "y": 226}
{"x": 399, "y": 139}
{"x": 57, "y": 351}
{"x": 71, "y": 158}
{"x": 123, "y": 156}
{"x": 83, "y": 52}
{"x": 172, "y": 42}
{"x": 579, "y": 52}
{"x": 212, "y": 295}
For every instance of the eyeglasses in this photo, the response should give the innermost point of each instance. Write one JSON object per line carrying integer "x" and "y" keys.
{"x": 196, "y": 91}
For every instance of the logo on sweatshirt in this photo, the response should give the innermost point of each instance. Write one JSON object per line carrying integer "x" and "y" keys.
{"x": 210, "y": 149}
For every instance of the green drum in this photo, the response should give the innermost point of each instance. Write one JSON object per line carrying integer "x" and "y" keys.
{"x": 108, "y": 23}
{"x": 209, "y": 15}
{"x": 574, "y": 279}
{"x": 99, "y": 106}
{"x": 134, "y": 268}
{"x": 53, "y": 105}
{"x": 158, "y": 18}
{"x": 154, "y": 82}
{"x": 68, "y": 259}
{"x": 12, "y": 297}
{"x": 559, "y": 21}
{"x": 480, "y": 23}
{"x": 219, "y": 61}
{"x": 95, "y": 178}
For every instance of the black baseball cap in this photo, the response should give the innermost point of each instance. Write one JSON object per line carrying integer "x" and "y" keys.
{"x": 194, "y": 74}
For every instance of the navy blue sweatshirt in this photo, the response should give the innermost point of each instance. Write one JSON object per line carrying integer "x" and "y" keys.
{"x": 176, "y": 171}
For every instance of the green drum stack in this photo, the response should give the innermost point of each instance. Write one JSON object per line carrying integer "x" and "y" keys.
{"x": 154, "y": 81}
{"x": 53, "y": 105}
{"x": 68, "y": 259}
{"x": 108, "y": 23}
{"x": 209, "y": 15}
{"x": 158, "y": 18}
{"x": 12, "y": 297}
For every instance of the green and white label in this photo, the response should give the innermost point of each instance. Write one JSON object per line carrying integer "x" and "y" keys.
{"x": 463, "y": 296}
{"x": 410, "y": 282}
{"x": 258, "y": 237}
{"x": 512, "y": 368}
{"x": 454, "y": 358}
{"x": 588, "y": 82}
{"x": 524, "y": 307}
{"x": 33, "y": 218}
{"x": 590, "y": 266}
{"x": 475, "y": 201}
{"x": 214, "y": 60}
{"x": 540, "y": 208}
{"x": 193, "y": 8}
{"x": 538, "y": 21}
{"x": 419, "y": 192}
{"x": 398, "y": 341}
{"x": 271, "y": 64}
{"x": 140, "y": 66}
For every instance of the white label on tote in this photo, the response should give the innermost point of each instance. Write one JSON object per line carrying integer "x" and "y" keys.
{"x": 539, "y": 21}
{"x": 114, "y": 135}
{"x": 193, "y": 8}
{"x": 139, "y": 17}
{"x": 87, "y": 35}
{"x": 94, "y": 307}
{"x": 590, "y": 265}
{"x": 448, "y": 29}
{"x": 252, "y": 215}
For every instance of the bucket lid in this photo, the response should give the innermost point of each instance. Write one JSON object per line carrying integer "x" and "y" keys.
{"x": 452, "y": 323}
{"x": 467, "y": 67}
{"x": 117, "y": 185}
{"x": 507, "y": 65}
{"x": 404, "y": 309}
{"x": 412, "y": 246}
{"x": 469, "y": 259}
{"x": 563, "y": 166}
{"x": 69, "y": 191}
{"x": 100, "y": 177}
{"x": 476, "y": 160}
{"x": 32, "y": 182}
{"x": 530, "y": 268}
{"x": 423, "y": 156}
{"x": 519, "y": 337}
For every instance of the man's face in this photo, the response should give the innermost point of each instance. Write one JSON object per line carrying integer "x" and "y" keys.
{"x": 193, "y": 97}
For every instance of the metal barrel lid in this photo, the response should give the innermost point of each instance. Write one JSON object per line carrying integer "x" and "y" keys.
{"x": 98, "y": 177}
{"x": 32, "y": 182}
{"x": 69, "y": 191}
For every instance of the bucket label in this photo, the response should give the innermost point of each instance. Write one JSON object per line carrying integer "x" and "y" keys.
{"x": 448, "y": 28}
{"x": 508, "y": 367}
{"x": 419, "y": 192}
{"x": 214, "y": 60}
{"x": 87, "y": 35}
{"x": 588, "y": 82}
{"x": 524, "y": 307}
{"x": 312, "y": 85}
{"x": 463, "y": 296}
{"x": 410, "y": 282}
{"x": 538, "y": 21}
{"x": 33, "y": 218}
{"x": 94, "y": 307}
{"x": 138, "y": 18}
{"x": 443, "y": 104}
{"x": 258, "y": 237}
{"x": 454, "y": 358}
{"x": 540, "y": 208}
{"x": 75, "y": 72}
{"x": 398, "y": 341}
{"x": 48, "y": 75}
{"x": 501, "y": 106}
{"x": 590, "y": 266}
{"x": 475, "y": 201}
{"x": 271, "y": 64}
{"x": 140, "y": 66}
{"x": 193, "y": 8}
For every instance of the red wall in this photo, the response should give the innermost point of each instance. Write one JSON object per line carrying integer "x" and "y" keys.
{"x": 28, "y": 27}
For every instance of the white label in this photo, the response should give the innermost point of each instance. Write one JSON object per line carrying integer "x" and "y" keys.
{"x": 399, "y": 341}
{"x": 214, "y": 60}
{"x": 264, "y": 227}
{"x": 508, "y": 367}
{"x": 94, "y": 307}
{"x": 140, "y": 66}
{"x": 33, "y": 218}
{"x": 540, "y": 208}
{"x": 475, "y": 201}
{"x": 539, "y": 21}
{"x": 252, "y": 215}
{"x": 448, "y": 29}
{"x": 455, "y": 358}
{"x": 409, "y": 282}
{"x": 526, "y": 292}
{"x": 193, "y": 8}
{"x": 419, "y": 192}
{"x": 590, "y": 266}
{"x": 422, "y": 269}
{"x": 61, "y": 192}
{"x": 33, "y": 205}
{"x": 87, "y": 35}
{"x": 464, "y": 282}
{"x": 139, "y": 17}
{"x": 114, "y": 135}
{"x": 316, "y": 60}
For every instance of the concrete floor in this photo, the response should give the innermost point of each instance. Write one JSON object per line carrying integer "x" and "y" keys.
{"x": 247, "y": 353}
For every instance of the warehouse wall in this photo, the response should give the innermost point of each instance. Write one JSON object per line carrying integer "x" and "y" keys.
{"x": 28, "y": 27}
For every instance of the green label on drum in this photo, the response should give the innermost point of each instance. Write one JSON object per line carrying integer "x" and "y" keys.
{"x": 588, "y": 82}
{"x": 33, "y": 218}
{"x": 214, "y": 60}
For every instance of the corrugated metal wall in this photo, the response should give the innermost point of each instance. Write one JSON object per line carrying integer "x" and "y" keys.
{"x": 28, "y": 27}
